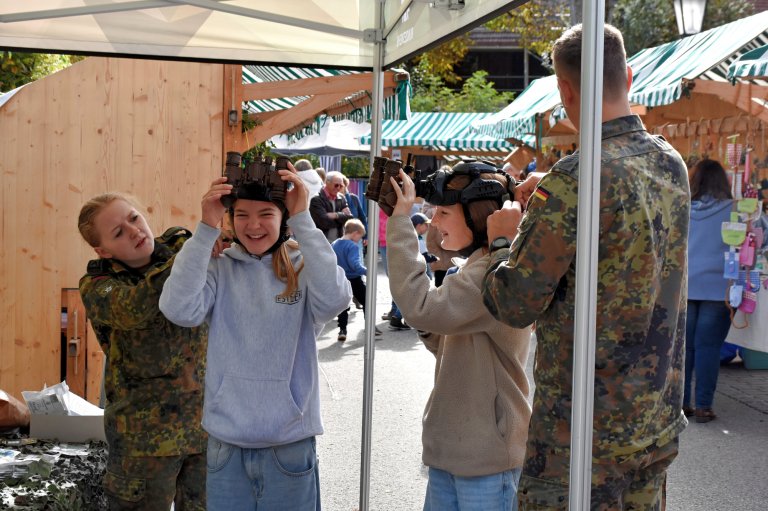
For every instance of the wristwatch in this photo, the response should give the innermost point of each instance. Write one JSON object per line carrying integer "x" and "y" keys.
{"x": 501, "y": 242}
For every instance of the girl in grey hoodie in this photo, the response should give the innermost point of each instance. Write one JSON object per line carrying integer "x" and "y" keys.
{"x": 476, "y": 420}
{"x": 265, "y": 304}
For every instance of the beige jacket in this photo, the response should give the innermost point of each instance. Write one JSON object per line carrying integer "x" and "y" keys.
{"x": 476, "y": 420}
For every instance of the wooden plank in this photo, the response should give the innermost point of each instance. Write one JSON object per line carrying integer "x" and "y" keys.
{"x": 293, "y": 116}
{"x": 10, "y": 142}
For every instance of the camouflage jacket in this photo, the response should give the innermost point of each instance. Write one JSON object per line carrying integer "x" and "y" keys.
{"x": 642, "y": 294}
{"x": 155, "y": 371}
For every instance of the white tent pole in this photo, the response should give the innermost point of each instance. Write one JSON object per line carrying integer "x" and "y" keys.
{"x": 377, "y": 102}
{"x": 590, "y": 134}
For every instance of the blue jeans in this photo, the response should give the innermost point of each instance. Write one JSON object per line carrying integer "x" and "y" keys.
{"x": 705, "y": 331}
{"x": 496, "y": 492}
{"x": 272, "y": 478}
{"x": 394, "y": 311}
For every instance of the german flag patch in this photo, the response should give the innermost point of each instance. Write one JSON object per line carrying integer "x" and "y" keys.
{"x": 541, "y": 193}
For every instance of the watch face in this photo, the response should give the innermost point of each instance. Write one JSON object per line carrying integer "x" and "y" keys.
{"x": 500, "y": 243}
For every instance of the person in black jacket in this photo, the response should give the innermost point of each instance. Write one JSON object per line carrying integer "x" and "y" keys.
{"x": 329, "y": 208}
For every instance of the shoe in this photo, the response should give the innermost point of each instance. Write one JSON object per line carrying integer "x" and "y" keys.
{"x": 342, "y": 335}
{"x": 387, "y": 316}
{"x": 398, "y": 324}
{"x": 704, "y": 415}
{"x": 688, "y": 411}
{"x": 377, "y": 331}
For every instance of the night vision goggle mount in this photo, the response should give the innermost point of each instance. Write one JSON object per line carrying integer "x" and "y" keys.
{"x": 256, "y": 180}
{"x": 433, "y": 187}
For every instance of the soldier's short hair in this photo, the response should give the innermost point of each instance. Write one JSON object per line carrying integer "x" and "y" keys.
{"x": 566, "y": 57}
{"x": 354, "y": 225}
{"x": 93, "y": 206}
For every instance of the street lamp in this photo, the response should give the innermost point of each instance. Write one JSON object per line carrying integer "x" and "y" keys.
{"x": 690, "y": 15}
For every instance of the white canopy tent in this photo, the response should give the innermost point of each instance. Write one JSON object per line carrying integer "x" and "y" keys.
{"x": 334, "y": 138}
{"x": 358, "y": 34}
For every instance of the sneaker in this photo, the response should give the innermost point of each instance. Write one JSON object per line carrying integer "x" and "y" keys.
{"x": 386, "y": 316}
{"x": 398, "y": 324}
{"x": 342, "y": 335}
{"x": 377, "y": 331}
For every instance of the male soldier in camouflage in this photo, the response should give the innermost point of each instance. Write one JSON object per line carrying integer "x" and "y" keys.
{"x": 155, "y": 370}
{"x": 644, "y": 211}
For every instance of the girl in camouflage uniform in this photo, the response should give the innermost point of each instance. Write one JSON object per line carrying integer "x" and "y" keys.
{"x": 155, "y": 369}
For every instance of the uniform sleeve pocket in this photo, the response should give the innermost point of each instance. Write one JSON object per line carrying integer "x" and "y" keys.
{"x": 124, "y": 488}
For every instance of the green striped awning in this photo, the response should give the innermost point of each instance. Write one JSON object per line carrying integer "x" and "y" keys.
{"x": 752, "y": 64}
{"x": 444, "y": 131}
{"x": 518, "y": 120}
{"x": 659, "y": 73}
{"x": 395, "y": 107}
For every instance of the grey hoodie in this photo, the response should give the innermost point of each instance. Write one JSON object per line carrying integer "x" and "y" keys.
{"x": 261, "y": 382}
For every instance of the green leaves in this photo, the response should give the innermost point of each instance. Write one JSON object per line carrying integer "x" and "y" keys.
{"x": 18, "y": 68}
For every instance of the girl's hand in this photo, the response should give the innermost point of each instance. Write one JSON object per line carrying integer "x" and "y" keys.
{"x": 213, "y": 209}
{"x": 297, "y": 198}
{"x": 405, "y": 197}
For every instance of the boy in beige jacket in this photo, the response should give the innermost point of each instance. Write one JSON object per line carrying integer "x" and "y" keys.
{"x": 476, "y": 420}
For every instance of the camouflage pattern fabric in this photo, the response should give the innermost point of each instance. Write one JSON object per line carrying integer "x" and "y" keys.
{"x": 636, "y": 482}
{"x": 642, "y": 291}
{"x": 155, "y": 370}
{"x": 152, "y": 483}
{"x": 75, "y": 482}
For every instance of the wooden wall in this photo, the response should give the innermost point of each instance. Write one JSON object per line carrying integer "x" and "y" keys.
{"x": 148, "y": 127}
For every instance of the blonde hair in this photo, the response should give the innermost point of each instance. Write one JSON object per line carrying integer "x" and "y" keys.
{"x": 92, "y": 208}
{"x": 282, "y": 266}
{"x": 354, "y": 225}
{"x": 284, "y": 269}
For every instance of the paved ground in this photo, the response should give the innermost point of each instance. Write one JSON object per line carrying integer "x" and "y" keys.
{"x": 722, "y": 464}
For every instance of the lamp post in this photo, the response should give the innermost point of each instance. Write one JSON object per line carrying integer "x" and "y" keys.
{"x": 690, "y": 15}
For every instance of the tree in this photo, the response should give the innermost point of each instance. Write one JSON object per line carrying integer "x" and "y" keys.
{"x": 440, "y": 61}
{"x": 18, "y": 68}
{"x": 538, "y": 24}
{"x": 476, "y": 95}
{"x": 649, "y": 23}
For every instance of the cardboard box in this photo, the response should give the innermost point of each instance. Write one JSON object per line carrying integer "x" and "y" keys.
{"x": 87, "y": 426}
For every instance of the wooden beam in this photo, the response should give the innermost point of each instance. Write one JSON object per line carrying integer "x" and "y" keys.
{"x": 232, "y": 138}
{"x": 311, "y": 86}
{"x": 739, "y": 95}
{"x": 291, "y": 117}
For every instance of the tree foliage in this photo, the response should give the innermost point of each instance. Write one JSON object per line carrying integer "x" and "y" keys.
{"x": 477, "y": 94}
{"x": 440, "y": 61}
{"x": 649, "y": 23}
{"x": 538, "y": 24}
{"x": 18, "y": 68}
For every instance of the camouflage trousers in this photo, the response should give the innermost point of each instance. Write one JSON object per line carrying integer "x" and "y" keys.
{"x": 152, "y": 483}
{"x": 636, "y": 482}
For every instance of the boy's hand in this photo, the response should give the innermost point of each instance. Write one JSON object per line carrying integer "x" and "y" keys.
{"x": 405, "y": 197}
